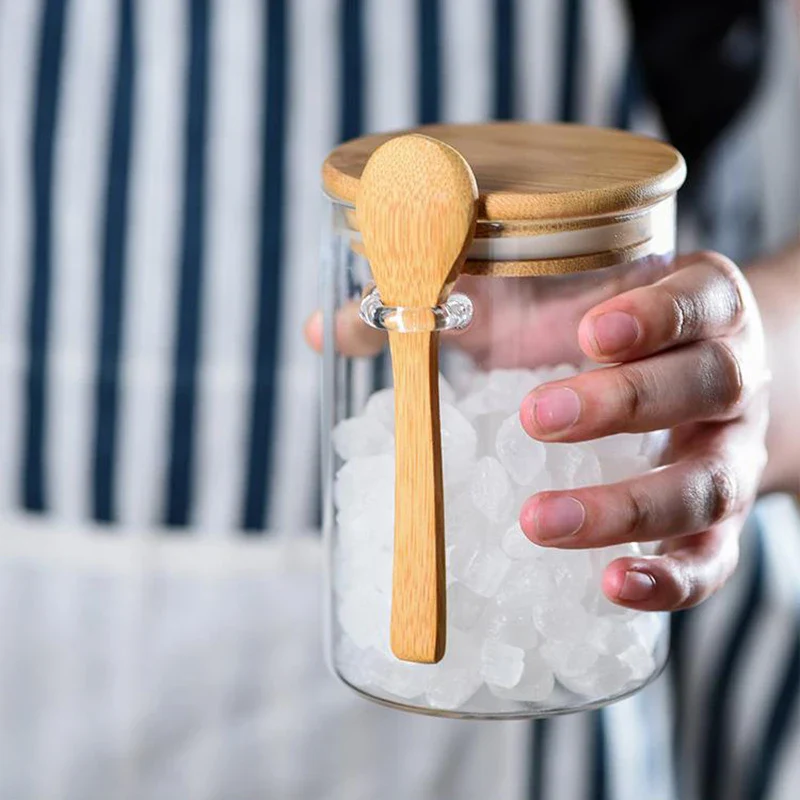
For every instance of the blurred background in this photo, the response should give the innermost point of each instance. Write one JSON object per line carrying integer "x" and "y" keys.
{"x": 160, "y": 209}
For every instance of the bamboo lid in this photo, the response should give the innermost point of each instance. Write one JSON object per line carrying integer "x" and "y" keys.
{"x": 536, "y": 172}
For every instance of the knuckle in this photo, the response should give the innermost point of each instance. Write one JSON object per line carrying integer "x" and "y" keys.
{"x": 691, "y": 592}
{"x": 728, "y": 374}
{"x": 689, "y": 581}
{"x": 630, "y": 392}
{"x": 722, "y": 491}
{"x": 637, "y": 515}
{"x": 700, "y": 584}
{"x": 733, "y": 280}
{"x": 694, "y": 592}
{"x": 679, "y": 588}
{"x": 679, "y": 313}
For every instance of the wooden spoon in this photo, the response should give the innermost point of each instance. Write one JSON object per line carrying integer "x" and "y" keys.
{"x": 416, "y": 208}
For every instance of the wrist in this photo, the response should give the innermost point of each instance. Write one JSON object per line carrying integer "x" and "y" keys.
{"x": 775, "y": 282}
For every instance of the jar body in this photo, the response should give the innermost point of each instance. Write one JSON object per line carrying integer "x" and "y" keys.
{"x": 529, "y": 630}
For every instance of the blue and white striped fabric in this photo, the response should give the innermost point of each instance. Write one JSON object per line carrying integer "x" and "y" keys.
{"x": 159, "y": 209}
{"x": 150, "y": 336}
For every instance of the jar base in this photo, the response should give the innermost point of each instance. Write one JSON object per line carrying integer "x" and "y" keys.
{"x": 526, "y": 711}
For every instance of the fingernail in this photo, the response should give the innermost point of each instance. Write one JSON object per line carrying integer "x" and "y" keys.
{"x": 637, "y": 586}
{"x": 559, "y": 518}
{"x": 615, "y": 331}
{"x": 556, "y": 409}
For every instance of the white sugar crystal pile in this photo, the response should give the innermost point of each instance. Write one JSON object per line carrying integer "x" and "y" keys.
{"x": 528, "y": 623}
{"x": 522, "y": 457}
{"x": 501, "y": 664}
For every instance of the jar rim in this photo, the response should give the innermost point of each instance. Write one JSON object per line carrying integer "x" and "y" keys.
{"x": 526, "y": 249}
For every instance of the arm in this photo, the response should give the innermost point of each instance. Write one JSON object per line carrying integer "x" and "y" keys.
{"x": 776, "y": 286}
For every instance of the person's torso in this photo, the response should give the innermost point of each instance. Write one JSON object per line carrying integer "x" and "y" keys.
{"x": 160, "y": 210}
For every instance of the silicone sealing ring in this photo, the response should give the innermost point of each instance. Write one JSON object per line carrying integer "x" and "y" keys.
{"x": 455, "y": 314}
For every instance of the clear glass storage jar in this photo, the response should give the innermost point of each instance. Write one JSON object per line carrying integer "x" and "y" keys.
{"x": 567, "y": 216}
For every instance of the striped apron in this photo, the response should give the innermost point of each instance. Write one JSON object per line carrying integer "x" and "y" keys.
{"x": 159, "y": 566}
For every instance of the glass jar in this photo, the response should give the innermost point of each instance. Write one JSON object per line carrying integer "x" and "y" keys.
{"x": 568, "y": 216}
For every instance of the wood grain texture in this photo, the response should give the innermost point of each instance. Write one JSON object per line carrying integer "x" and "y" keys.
{"x": 418, "y": 583}
{"x": 416, "y": 209}
{"x": 528, "y": 171}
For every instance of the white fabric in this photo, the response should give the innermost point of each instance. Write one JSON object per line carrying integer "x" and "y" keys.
{"x": 147, "y": 667}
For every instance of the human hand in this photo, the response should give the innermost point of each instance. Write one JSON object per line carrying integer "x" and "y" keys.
{"x": 687, "y": 353}
{"x": 697, "y": 366}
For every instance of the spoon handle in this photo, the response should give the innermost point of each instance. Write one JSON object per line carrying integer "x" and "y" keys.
{"x": 418, "y": 585}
